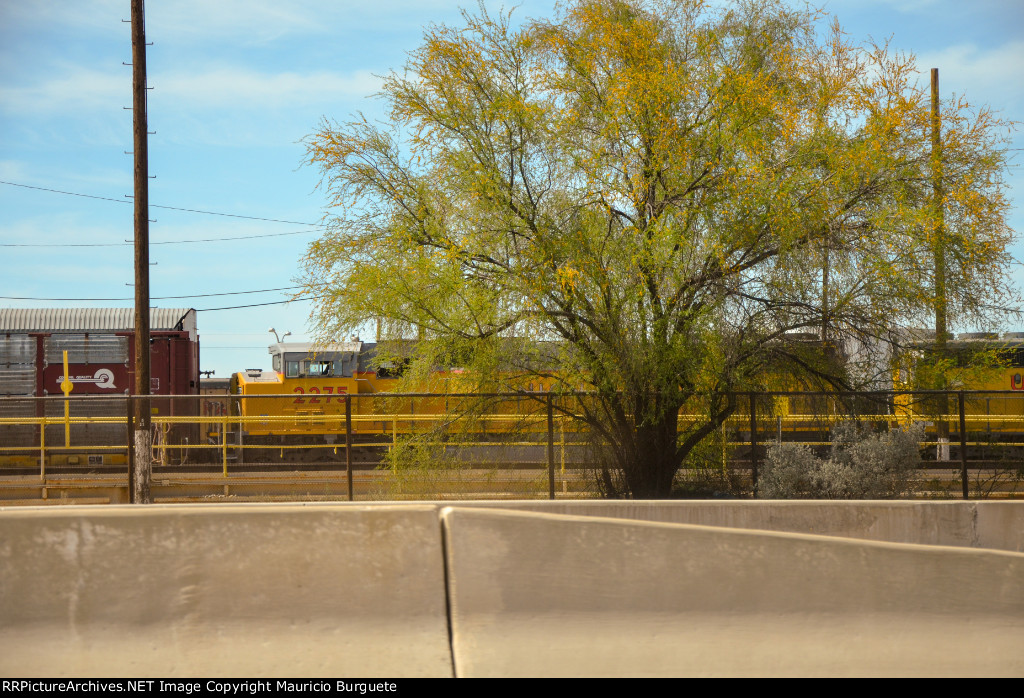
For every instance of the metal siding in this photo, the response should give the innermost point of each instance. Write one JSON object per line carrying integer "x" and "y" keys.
{"x": 17, "y": 364}
{"x": 17, "y": 349}
{"x": 91, "y": 337}
{"x": 24, "y": 434}
{"x": 93, "y": 319}
{"x": 18, "y": 380}
{"x": 87, "y": 349}
{"x": 90, "y": 434}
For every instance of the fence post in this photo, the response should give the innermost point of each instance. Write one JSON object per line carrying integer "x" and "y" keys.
{"x": 42, "y": 447}
{"x": 130, "y": 443}
{"x": 753, "y": 442}
{"x": 348, "y": 444}
{"x": 963, "y": 442}
{"x": 224, "y": 442}
{"x": 551, "y": 449}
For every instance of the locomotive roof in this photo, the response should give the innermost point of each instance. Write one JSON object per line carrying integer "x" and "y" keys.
{"x": 970, "y": 339}
{"x": 94, "y": 320}
{"x": 312, "y": 348}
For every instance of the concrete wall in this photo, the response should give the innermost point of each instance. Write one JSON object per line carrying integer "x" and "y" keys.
{"x": 545, "y": 595}
{"x": 986, "y": 524}
{"x": 997, "y": 524}
{"x": 374, "y": 590}
{"x": 236, "y": 590}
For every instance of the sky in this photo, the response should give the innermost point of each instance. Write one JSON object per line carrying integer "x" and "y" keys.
{"x": 236, "y": 86}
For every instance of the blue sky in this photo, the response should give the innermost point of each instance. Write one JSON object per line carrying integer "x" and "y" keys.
{"x": 237, "y": 85}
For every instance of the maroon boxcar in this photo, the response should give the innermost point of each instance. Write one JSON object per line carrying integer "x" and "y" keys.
{"x": 100, "y": 346}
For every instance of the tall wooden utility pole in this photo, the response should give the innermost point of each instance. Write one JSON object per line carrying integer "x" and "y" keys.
{"x": 939, "y": 250}
{"x": 142, "y": 467}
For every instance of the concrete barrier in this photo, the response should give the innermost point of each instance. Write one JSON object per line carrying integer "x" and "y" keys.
{"x": 544, "y": 595}
{"x": 222, "y": 590}
{"x": 350, "y": 589}
{"x": 996, "y": 525}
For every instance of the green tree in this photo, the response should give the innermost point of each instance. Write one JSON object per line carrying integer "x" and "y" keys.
{"x": 655, "y": 193}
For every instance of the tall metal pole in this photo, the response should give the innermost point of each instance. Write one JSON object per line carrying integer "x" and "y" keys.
{"x": 143, "y": 437}
{"x": 939, "y": 250}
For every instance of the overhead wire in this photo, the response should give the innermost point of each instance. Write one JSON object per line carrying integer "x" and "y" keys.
{"x": 154, "y": 298}
{"x": 314, "y": 227}
{"x": 198, "y": 310}
{"x": 258, "y": 305}
{"x": 164, "y": 242}
{"x": 171, "y": 208}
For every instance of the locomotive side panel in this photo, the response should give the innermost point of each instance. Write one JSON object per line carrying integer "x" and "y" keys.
{"x": 277, "y": 406}
{"x": 302, "y": 401}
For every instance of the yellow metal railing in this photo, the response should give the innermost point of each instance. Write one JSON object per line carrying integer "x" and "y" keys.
{"x": 217, "y": 431}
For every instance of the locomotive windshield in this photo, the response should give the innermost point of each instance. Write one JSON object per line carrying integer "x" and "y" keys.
{"x": 320, "y": 369}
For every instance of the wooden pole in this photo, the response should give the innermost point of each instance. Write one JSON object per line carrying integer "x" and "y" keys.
{"x": 143, "y": 437}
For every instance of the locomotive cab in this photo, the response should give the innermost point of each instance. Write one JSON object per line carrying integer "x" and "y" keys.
{"x": 295, "y": 360}
{"x": 303, "y": 397}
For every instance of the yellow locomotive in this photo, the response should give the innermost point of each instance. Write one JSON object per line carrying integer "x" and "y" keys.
{"x": 985, "y": 370}
{"x": 319, "y": 395}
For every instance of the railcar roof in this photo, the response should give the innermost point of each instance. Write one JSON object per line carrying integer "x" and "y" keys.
{"x": 94, "y": 319}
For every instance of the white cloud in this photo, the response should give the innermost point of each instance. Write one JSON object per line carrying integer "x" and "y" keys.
{"x": 98, "y": 180}
{"x": 80, "y": 90}
{"x": 13, "y": 171}
{"x": 262, "y": 21}
{"x": 990, "y": 74}
{"x": 94, "y": 15}
{"x": 239, "y": 87}
{"x": 240, "y": 22}
{"x": 903, "y": 6}
{"x": 75, "y": 90}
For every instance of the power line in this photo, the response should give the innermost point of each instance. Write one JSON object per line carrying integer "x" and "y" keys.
{"x": 165, "y": 242}
{"x": 171, "y": 208}
{"x": 257, "y": 305}
{"x": 238, "y": 237}
{"x": 157, "y": 298}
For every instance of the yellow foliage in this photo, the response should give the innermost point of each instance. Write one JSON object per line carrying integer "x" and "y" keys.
{"x": 657, "y": 191}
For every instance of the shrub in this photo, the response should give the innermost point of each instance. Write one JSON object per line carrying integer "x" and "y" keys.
{"x": 860, "y": 466}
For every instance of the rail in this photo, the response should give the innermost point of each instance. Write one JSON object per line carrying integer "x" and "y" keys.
{"x": 531, "y": 430}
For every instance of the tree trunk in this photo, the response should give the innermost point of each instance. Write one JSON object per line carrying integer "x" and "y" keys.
{"x": 652, "y": 461}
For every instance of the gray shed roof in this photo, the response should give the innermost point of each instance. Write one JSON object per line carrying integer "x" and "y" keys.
{"x": 93, "y": 319}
